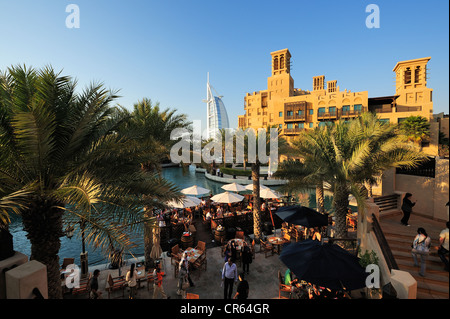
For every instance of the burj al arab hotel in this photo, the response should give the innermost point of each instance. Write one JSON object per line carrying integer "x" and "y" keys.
{"x": 217, "y": 117}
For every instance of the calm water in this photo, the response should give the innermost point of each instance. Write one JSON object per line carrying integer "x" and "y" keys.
{"x": 72, "y": 247}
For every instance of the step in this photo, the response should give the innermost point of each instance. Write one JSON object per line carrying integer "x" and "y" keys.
{"x": 386, "y": 197}
{"x": 432, "y": 289}
{"x": 435, "y": 271}
{"x": 406, "y": 254}
{"x": 426, "y": 294}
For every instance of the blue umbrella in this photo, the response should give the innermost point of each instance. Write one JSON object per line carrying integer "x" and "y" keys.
{"x": 302, "y": 215}
{"x": 326, "y": 265}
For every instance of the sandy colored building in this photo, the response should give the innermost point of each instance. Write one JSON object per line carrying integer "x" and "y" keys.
{"x": 294, "y": 110}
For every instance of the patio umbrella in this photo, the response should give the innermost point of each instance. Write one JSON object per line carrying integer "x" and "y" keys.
{"x": 234, "y": 187}
{"x": 249, "y": 187}
{"x": 269, "y": 193}
{"x": 301, "y": 215}
{"x": 326, "y": 265}
{"x": 156, "y": 249}
{"x": 187, "y": 201}
{"x": 227, "y": 197}
{"x": 195, "y": 190}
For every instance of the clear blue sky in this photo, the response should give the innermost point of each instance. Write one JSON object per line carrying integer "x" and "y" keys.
{"x": 163, "y": 49}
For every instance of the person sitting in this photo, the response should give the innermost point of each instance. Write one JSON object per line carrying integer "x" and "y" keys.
{"x": 219, "y": 212}
{"x": 316, "y": 235}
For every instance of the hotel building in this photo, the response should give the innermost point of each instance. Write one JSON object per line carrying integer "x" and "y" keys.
{"x": 294, "y": 110}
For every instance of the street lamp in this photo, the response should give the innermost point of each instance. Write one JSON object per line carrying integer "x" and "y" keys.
{"x": 70, "y": 230}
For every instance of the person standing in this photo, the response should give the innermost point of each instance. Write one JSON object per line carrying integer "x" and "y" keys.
{"x": 242, "y": 288}
{"x": 443, "y": 246}
{"x": 182, "y": 279}
{"x": 130, "y": 278}
{"x": 407, "y": 208}
{"x": 421, "y": 248}
{"x": 247, "y": 257}
{"x": 94, "y": 293}
{"x": 158, "y": 282}
{"x": 229, "y": 277}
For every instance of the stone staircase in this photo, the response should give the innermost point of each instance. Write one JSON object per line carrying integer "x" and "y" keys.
{"x": 388, "y": 204}
{"x": 435, "y": 284}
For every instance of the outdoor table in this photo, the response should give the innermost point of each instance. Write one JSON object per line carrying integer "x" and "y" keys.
{"x": 192, "y": 254}
{"x": 239, "y": 243}
{"x": 276, "y": 242}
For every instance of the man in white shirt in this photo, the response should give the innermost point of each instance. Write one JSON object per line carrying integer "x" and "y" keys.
{"x": 229, "y": 277}
{"x": 443, "y": 246}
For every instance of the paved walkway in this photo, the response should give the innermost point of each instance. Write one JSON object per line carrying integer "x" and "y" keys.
{"x": 263, "y": 278}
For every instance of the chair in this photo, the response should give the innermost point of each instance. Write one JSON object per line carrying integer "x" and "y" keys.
{"x": 67, "y": 262}
{"x": 192, "y": 296}
{"x": 114, "y": 284}
{"x": 286, "y": 238}
{"x": 266, "y": 248}
{"x": 85, "y": 286}
{"x": 201, "y": 245}
{"x": 296, "y": 234}
{"x": 201, "y": 262}
{"x": 240, "y": 234}
{"x": 283, "y": 288}
{"x": 175, "y": 255}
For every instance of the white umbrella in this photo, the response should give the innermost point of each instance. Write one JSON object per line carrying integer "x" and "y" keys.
{"x": 195, "y": 190}
{"x": 250, "y": 187}
{"x": 234, "y": 187}
{"x": 186, "y": 202}
{"x": 269, "y": 193}
{"x": 227, "y": 197}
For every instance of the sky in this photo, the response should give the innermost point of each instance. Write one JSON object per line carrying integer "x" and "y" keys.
{"x": 164, "y": 49}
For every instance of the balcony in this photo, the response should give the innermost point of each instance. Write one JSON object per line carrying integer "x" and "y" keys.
{"x": 295, "y": 117}
{"x": 352, "y": 113}
{"x": 327, "y": 115}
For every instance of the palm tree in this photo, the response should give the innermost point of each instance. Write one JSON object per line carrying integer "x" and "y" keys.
{"x": 255, "y": 166}
{"x": 64, "y": 152}
{"x": 153, "y": 126}
{"x": 303, "y": 177}
{"x": 346, "y": 154}
{"x": 415, "y": 129}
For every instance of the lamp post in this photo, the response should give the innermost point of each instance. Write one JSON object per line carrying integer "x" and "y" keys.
{"x": 84, "y": 255}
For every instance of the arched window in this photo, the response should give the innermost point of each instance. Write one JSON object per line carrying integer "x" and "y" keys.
{"x": 408, "y": 76}
{"x": 417, "y": 74}
{"x": 282, "y": 61}
{"x": 275, "y": 63}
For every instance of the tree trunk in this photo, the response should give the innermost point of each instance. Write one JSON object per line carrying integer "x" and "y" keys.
{"x": 340, "y": 202}
{"x": 44, "y": 226}
{"x": 148, "y": 240}
{"x": 257, "y": 224}
{"x": 320, "y": 199}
